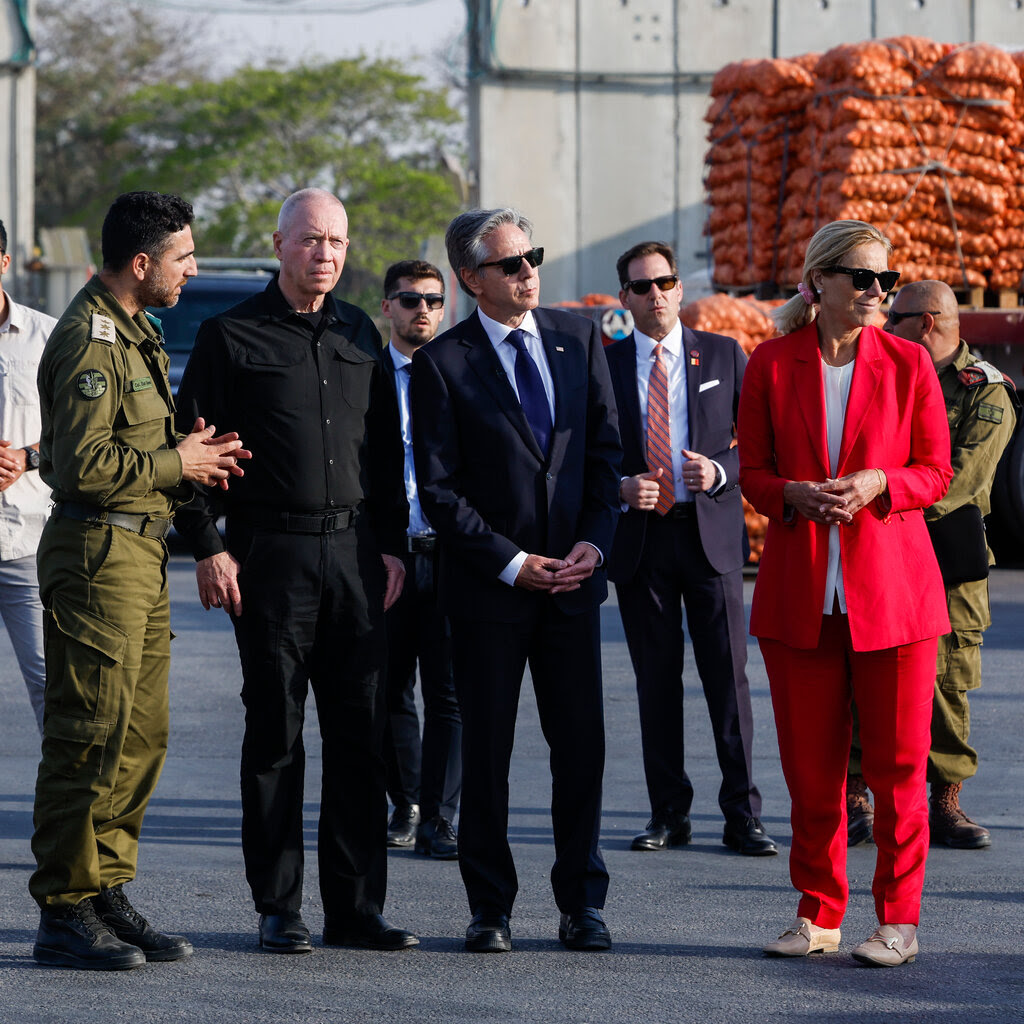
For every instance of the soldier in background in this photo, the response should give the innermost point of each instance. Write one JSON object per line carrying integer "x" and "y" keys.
{"x": 981, "y": 406}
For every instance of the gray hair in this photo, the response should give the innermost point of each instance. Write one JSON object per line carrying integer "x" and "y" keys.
{"x": 305, "y": 195}
{"x": 465, "y": 235}
{"x": 826, "y": 249}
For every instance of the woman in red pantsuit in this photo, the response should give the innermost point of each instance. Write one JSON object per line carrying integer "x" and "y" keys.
{"x": 843, "y": 441}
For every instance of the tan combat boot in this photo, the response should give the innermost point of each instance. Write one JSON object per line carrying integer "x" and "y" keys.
{"x": 949, "y": 825}
{"x": 860, "y": 815}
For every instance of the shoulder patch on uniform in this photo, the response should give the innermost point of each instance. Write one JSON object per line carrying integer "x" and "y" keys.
{"x": 991, "y": 413}
{"x": 103, "y": 329}
{"x": 92, "y": 383}
{"x": 980, "y": 373}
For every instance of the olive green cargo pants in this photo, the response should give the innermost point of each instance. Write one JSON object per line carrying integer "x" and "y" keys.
{"x": 107, "y": 642}
{"x": 957, "y": 671}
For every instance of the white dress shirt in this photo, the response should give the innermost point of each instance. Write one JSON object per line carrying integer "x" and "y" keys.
{"x": 837, "y": 381}
{"x": 418, "y": 525}
{"x": 25, "y": 505}
{"x": 678, "y": 402}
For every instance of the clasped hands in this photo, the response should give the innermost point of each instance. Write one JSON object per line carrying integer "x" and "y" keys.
{"x": 12, "y": 464}
{"x": 834, "y": 501}
{"x": 210, "y": 460}
{"x": 558, "y": 575}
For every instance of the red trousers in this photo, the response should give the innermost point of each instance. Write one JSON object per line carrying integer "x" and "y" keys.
{"x": 811, "y": 695}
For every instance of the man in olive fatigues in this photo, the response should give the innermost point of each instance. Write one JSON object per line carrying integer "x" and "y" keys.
{"x": 981, "y": 408}
{"x": 117, "y": 470}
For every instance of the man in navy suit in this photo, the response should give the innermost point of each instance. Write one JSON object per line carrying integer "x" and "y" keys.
{"x": 517, "y": 457}
{"x": 681, "y": 542}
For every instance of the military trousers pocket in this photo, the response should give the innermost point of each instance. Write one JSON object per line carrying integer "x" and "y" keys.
{"x": 75, "y": 747}
{"x": 85, "y": 663}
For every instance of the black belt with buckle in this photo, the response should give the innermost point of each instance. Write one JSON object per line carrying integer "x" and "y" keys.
{"x": 421, "y": 543}
{"x": 144, "y": 525}
{"x": 299, "y": 522}
{"x": 681, "y": 510}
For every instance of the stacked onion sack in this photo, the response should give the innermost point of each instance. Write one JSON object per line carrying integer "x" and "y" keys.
{"x": 923, "y": 140}
{"x": 747, "y": 321}
{"x": 757, "y": 116}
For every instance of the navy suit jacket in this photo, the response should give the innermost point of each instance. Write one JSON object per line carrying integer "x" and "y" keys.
{"x": 712, "y": 412}
{"x": 485, "y": 486}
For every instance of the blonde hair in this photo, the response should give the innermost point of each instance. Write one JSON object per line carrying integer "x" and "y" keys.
{"x": 826, "y": 249}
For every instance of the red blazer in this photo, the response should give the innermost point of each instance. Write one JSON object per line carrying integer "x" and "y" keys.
{"x": 896, "y": 422}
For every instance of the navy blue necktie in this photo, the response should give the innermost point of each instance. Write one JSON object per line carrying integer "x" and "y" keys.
{"x": 532, "y": 396}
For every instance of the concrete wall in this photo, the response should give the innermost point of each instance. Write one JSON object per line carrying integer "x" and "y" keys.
{"x": 17, "y": 135}
{"x": 588, "y": 114}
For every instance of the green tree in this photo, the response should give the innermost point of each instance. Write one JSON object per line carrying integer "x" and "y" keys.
{"x": 92, "y": 56}
{"x": 364, "y": 129}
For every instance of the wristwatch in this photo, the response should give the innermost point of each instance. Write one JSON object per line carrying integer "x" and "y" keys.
{"x": 31, "y": 458}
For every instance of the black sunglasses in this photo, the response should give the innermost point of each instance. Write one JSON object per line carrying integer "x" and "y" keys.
{"x": 863, "y": 278}
{"x": 510, "y": 264}
{"x": 642, "y": 285}
{"x": 895, "y": 318}
{"x": 412, "y": 300}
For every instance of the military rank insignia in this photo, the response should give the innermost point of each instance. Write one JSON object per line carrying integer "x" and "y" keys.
{"x": 103, "y": 329}
{"x": 92, "y": 383}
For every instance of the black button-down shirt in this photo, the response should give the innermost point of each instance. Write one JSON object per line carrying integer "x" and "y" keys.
{"x": 313, "y": 403}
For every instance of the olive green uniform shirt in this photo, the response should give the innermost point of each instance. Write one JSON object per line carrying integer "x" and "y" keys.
{"x": 107, "y": 435}
{"x": 981, "y": 421}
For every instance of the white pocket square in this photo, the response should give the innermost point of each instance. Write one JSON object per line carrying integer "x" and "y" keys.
{"x": 708, "y": 384}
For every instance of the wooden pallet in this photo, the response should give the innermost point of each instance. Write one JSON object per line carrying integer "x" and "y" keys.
{"x": 983, "y": 298}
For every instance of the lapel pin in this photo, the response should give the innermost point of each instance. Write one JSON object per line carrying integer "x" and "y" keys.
{"x": 694, "y": 357}
{"x": 558, "y": 348}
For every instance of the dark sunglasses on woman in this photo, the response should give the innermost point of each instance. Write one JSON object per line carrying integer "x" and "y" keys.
{"x": 863, "y": 278}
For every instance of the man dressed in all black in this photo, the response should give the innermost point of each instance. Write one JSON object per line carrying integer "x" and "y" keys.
{"x": 313, "y": 543}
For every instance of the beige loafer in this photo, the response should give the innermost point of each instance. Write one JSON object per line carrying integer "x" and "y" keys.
{"x": 886, "y": 948}
{"x": 802, "y": 938}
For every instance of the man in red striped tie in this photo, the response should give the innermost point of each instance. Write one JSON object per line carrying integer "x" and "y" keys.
{"x": 681, "y": 543}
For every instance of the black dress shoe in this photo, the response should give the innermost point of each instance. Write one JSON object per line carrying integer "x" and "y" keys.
{"x": 284, "y": 933}
{"x": 489, "y": 932}
{"x": 663, "y": 831}
{"x": 75, "y": 937}
{"x": 370, "y": 931}
{"x": 436, "y": 838}
{"x": 402, "y": 826}
{"x": 585, "y": 930}
{"x": 747, "y": 836}
{"x": 117, "y": 913}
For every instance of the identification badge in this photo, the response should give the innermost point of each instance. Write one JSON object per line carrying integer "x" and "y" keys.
{"x": 103, "y": 329}
{"x": 139, "y": 384}
{"x": 92, "y": 383}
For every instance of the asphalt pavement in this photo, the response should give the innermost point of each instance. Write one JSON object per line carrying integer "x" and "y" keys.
{"x": 687, "y": 924}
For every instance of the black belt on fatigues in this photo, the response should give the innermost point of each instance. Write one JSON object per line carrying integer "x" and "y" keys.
{"x": 145, "y": 525}
{"x": 326, "y": 521}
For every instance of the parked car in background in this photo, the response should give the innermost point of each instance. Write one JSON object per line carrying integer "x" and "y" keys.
{"x": 220, "y": 285}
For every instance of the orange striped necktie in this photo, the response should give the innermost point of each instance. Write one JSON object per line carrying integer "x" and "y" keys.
{"x": 659, "y": 433}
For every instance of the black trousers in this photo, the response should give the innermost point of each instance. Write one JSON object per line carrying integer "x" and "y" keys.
{"x": 312, "y": 612}
{"x": 428, "y": 773}
{"x": 674, "y": 572}
{"x": 564, "y": 655}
